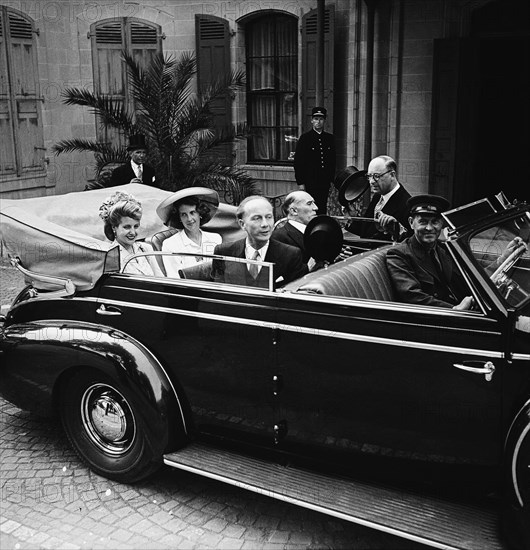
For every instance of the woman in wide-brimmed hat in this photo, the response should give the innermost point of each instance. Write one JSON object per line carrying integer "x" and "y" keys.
{"x": 187, "y": 210}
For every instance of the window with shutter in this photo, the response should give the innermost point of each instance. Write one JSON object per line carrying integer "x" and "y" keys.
{"x": 272, "y": 84}
{"x": 109, "y": 37}
{"x": 22, "y": 141}
{"x": 309, "y": 63}
{"x": 213, "y": 62}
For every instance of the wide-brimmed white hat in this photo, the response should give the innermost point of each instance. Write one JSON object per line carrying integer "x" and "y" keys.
{"x": 205, "y": 194}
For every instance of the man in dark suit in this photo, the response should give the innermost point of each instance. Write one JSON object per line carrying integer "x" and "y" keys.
{"x": 135, "y": 170}
{"x": 256, "y": 218}
{"x": 315, "y": 159}
{"x": 388, "y": 205}
{"x": 299, "y": 208}
{"x": 422, "y": 272}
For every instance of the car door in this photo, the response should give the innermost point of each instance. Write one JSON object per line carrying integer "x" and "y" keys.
{"x": 215, "y": 340}
{"x": 389, "y": 379}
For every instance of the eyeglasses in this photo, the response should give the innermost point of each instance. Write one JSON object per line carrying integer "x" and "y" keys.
{"x": 377, "y": 177}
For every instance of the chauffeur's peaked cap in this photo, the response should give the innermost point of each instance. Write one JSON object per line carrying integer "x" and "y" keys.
{"x": 427, "y": 204}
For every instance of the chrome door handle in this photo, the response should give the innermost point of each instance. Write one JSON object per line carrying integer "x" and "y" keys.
{"x": 106, "y": 310}
{"x": 487, "y": 370}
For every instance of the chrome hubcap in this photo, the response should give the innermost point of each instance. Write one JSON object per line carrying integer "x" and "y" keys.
{"x": 108, "y": 419}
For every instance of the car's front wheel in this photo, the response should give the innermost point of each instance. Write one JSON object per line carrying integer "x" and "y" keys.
{"x": 516, "y": 506}
{"x": 102, "y": 423}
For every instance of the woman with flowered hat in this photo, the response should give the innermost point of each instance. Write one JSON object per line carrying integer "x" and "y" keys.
{"x": 121, "y": 214}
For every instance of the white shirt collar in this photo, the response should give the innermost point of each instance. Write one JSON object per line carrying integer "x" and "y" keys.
{"x": 249, "y": 251}
{"x": 135, "y": 167}
{"x": 186, "y": 241}
{"x": 135, "y": 247}
{"x": 390, "y": 193}
{"x": 297, "y": 225}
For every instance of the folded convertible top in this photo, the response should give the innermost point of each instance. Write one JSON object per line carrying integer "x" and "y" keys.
{"x": 62, "y": 235}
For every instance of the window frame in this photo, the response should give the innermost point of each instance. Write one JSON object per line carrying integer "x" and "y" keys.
{"x": 278, "y": 94}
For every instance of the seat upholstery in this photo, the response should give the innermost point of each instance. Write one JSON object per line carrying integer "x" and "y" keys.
{"x": 156, "y": 242}
{"x": 361, "y": 276}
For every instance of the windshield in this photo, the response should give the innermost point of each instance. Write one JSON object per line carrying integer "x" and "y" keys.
{"x": 503, "y": 252}
{"x": 203, "y": 267}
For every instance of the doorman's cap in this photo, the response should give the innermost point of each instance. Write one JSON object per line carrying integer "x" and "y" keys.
{"x": 319, "y": 111}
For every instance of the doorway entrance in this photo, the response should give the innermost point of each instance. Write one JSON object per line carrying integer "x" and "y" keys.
{"x": 481, "y": 111}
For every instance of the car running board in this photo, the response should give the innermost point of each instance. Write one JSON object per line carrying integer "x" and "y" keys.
{"x": 428, "y": 520}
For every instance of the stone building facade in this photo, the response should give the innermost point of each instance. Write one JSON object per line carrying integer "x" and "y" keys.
{"x": 437, "y": 84}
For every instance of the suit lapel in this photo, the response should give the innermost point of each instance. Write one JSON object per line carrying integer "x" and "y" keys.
{"x": 130, "y": 171}
{"x": 392, "y": 205}
{"x": 422, "y": 258}
{"x": 275, "y": 258}
{"x": 238, "y": 249}
{"x": 296, "y": 235}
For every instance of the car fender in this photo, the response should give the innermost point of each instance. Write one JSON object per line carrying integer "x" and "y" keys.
{"x": 39, "y": 356}
{"x": 515, "y": 514}
{"x": 519, "y": 429}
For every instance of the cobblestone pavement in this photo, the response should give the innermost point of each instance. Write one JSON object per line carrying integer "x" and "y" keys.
{"x": 49, "y": 499}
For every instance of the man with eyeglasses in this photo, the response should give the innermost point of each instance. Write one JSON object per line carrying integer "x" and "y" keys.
{"x": 388, "y": 205}
{"x": 422, "y": 272}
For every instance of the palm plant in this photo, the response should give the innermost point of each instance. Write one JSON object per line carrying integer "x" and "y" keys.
{"x": 178, "y": 125}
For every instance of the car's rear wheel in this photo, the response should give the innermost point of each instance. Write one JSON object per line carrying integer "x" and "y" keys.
{"x": 516, "y": 506}
{"x": 102, "y": 423}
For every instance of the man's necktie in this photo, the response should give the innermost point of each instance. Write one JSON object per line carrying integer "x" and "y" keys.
{"x": 441, "y": 275}
{"x": 140, "y": 171}
{"x": 379, "y": 207}
{"x": 436, "y": 263}
{"x": 253, "y": 269}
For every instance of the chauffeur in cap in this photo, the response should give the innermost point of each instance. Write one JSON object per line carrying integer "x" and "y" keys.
{"x": 135, "y": 170}
{"x": 315, "y": 159}
{"x": 421, "y": 271}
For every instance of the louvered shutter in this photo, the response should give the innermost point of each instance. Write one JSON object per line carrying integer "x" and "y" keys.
{"x": 20, "y": 98}
{"x": 109, "y": 37}
{"x": 213, "y": 61}
{"x": 143, "y": 41}
{"x": 108, "y": 40}
{"x": 309, "y": 64}
{"x": 7, "y": 143}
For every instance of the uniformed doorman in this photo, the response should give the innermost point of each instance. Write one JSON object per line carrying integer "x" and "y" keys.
{"x": 314, "y": 160}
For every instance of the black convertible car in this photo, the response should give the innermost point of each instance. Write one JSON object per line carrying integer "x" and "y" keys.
{"x": 327, "y": 392}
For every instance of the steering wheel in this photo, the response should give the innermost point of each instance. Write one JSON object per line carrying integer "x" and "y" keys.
{"x": 508, "y": 263}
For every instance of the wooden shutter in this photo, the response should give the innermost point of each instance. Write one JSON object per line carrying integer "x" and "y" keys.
{"x": 7, "y": 143}
{"x": 143, "y": 40}
{"x": 213, "y": 61}
{"x": 109, "y": 37}
{"x": 20, "y": 119}
{"x": 309, "y": 45}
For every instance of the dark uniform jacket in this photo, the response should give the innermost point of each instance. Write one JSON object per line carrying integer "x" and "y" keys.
{"x": 395, "y": 206}
{"x": 415, "y": 278}
{"x": 289, "y": 234}
{"x": 287, "y": 261}
{"x": 124, "y": 174}
{"x": 314, "y": 165}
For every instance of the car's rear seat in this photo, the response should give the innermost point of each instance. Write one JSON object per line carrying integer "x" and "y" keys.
{"x": 361, "y": 276}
